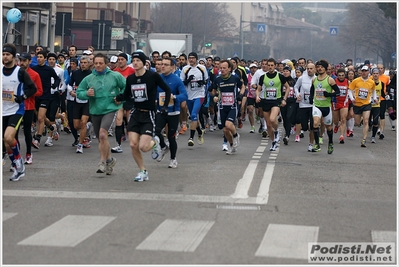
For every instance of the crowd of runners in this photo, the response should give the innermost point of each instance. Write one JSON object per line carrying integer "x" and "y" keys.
{"x": 152, "y": 102}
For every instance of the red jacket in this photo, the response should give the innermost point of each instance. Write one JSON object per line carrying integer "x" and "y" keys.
{"x": 30, "y": 102}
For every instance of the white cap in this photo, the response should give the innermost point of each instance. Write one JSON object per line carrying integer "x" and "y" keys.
{"x": 113, "y": 59}
{"x": 365, "y": 67}
{"x": 253, "y": 65}
{"x": 87, "y": 52}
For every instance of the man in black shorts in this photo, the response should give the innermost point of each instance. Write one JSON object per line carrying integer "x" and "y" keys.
{"x": 142, "y": 88}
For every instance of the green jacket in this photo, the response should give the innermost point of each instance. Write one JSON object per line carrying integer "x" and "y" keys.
{"x": 106, "y": 86}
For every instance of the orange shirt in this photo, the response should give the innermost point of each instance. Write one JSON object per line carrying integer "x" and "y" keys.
{"x": 362, "y": 91}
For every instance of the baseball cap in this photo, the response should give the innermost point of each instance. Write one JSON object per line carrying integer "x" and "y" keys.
{"x": 365, "y": 67}
{"x": 253, "y": 65}
{"x": 113, "y": 59}
{"x": 25, "y": 55}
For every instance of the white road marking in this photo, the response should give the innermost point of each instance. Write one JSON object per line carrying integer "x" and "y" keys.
{"x": 263, "y": 192}
{"x": 256, "y": 157}
{"x": 8, "y": 215}
{"x": 68, "y": 232}
{"x": 127, "y": 196}
{"x": 261, "y": 149}
{"x": 287, "y": 241}
{"x": 244, "y": 183}
{"x": 177, "y": 236}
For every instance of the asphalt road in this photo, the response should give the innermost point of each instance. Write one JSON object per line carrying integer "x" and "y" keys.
{"x": 254, "y": 207}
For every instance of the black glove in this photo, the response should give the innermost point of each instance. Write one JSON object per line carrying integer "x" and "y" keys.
{"x": 119, "y": 98}
{"x": 201, "y": 83}
{"x": 239, "y": 97}
{"x": 189, "y": 79}
{"x": 164, "y": 111}
{"x": 56, "y": 93}
{"x": 327, "y": 94}
{"x": 19, "y": 99}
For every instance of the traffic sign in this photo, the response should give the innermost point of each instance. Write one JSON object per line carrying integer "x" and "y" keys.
{"x": 262, "y": 28}
{"x": 333, "y": 31}
{"x": 393, "y": 56}
{"x": 235, "y": 54}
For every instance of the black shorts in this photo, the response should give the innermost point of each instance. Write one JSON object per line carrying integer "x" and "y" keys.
{"x": 361, "y": 109}
{"x": 42, "y": 103}
{"x": 251, "y": 101}
{"x": 80, "y": 109}
{"x": 12, "y": 121}
{"x": 142, "y": 122}
{"x": 267, "y": 105}
{"x": 228, "y": 114}
{"x": 305, "y": 115}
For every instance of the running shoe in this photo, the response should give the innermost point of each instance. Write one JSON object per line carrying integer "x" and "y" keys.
{"x": 141, "y": 176}
{"x": 297, "y": 138}
{"x": 79, "y": 149}
{"x": 252, "y": 129}
{"x": 378, "y": 131}
{"x": 320, "y": 140}
{"x": 164, "y": 151}
{"x": 393, "y": 128}
{"x": 109, "y": 166}
{"x": 363, "y": 143}
{"x": 286, "y": 140}
{"x": 301, "y": 135}
{"x": 67, "y": 130}
{"x": 330, "y": 149}
{"x": 35, "y": 144}
{"x": 17, "y": 175}
{"x": 274, "y": 146}
{"x": 75, "y": 143}
{"x": 19, "y": 170}
{"x": 260, "y": 130}
{"x": 310, "y": 148}
{"x": 117, "y": 149}
{"x": 156, "y": 149}
{"x": 264, "y": 134}
{"x": 382, "y": 136}
{"x": 190, "y": 142}
{"x": 101, "y": 167}
{"x": 87, "y": 142}
{"x": 350, "y": 133}
{"x": 236, "y": 141}
{"x": 341, "y": 139}
{"x": 316, "y": 148}
{"x": 225, "y": 147}
{"x": 373, "y": 140}
{"x": 173, "y": 164}
{"x": 201, "y": 138}
{"x": 336, "y": 129}
{"x": 231, "y": 150}
{"x": 29, "y": 159}
{"x": 49, "y": 142}
{"x": 183, "y": 129}
{"x": 211, "y": 128}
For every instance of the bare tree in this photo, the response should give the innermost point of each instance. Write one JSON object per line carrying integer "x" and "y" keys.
{"x": 367, "y": 28}
{"x": 205, "y": 21}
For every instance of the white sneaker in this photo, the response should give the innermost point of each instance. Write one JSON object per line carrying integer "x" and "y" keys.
{"x": 236, "y": 141}
{"x": 141, "y": 176}
{"x": 225, "y": 147}
{"x": 310, "y": 147}
{"x": 109, "y": 166}
{"x": 173, "y": 164}
{"x": 156, "y": 149}
{"x": 231, "y": 150}
{"x": 164, "y": 151}
{"x": 277, "y": 136}
{"x": 273, "y": 146}
{"x": 49, "y": 142}
{"x": 117, "y": 149}
{"x": 211, "y": 128}
{"x": 79, "y": 148}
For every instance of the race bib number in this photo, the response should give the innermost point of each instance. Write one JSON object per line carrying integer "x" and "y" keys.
{"x": 227, "y": 98}
{"x": 320, "y": 94}
{"x": 306, "y": 98}
{"x": 8, "y": 95}
{"x": 195, "y": 86}
{"x": 292, "y": 92}
{"x": 342, "y": 90}
{"x": 271, "y": 93}
{"x": 161, "y": 100}
{"x": 363, "y": 93}
{"x": 139, "y": 92}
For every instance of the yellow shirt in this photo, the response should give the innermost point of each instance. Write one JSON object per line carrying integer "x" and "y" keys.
{"x": 362, "y": 91}
{"x": 378, "y": 89}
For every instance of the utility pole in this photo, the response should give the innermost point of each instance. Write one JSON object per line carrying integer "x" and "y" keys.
{"x": 241, "y": 34}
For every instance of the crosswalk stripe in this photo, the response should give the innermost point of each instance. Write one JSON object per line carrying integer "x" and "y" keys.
{"x": 287, "y": 241}
{"x": 383, "y": 236}
{"x": 8, "y": 215}
{"x": 68, "y": 232}
{"x": 244, "y": 183}
{"x": 177, "y": 236}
